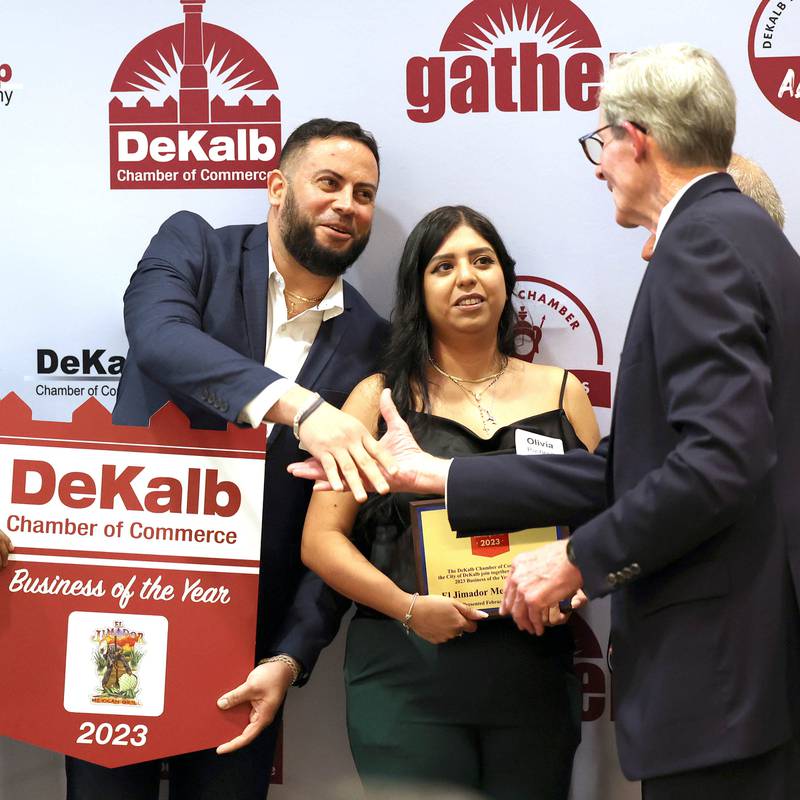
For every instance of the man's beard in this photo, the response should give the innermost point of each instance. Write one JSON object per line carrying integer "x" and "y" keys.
{"x": 299, "y": 237}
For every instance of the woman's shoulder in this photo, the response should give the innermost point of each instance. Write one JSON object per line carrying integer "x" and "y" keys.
{"x": 546, "y": 381}
{"x": 369, "y": 390}
{"x": 365, "y": 399}
{"x": 543, "y": 375}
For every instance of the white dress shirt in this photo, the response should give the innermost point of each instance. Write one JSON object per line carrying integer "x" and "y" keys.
{"x": 288, "y": 340}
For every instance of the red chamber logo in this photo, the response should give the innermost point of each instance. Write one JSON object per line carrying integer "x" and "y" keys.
{"x": 509, "y": 55}
{"x": 194, "y": 106}
{"x": 553, "y": 323}
{"x": 774, "y": 51}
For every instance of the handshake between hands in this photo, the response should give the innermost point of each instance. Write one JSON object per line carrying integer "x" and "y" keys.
{"x": 538, "y": 579}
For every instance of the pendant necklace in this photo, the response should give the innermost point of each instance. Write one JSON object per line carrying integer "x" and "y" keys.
{"x": 486, "y": 416}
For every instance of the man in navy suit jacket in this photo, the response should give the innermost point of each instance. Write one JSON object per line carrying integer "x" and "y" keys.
{"x": 690, "y": 508}
{"x": 249, "y": 323}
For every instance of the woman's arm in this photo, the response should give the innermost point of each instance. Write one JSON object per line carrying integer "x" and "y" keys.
{"x": 580, "y": 413}
{"x": 327, "y": 550}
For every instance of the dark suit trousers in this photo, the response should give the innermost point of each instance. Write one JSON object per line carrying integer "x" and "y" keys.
{"x": 203, "y": 775}
{"x": 774, "y": 775}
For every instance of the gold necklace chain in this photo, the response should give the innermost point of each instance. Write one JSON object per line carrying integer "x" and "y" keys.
{"x": 456, "y": 379}
{"x": 486, "y": 416}
{"x": 300, "y": 299}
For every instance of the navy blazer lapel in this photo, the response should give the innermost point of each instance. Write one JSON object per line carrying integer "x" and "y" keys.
{"x": 255, "y": 272}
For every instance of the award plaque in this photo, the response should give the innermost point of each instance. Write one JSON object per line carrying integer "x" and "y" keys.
{"x": 471, "y": 569}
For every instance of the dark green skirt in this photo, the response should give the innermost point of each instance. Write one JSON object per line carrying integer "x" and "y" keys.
{"x": 497, "y": 710}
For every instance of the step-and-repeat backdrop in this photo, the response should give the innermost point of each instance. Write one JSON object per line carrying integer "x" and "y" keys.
{"x": 476, "y": 102}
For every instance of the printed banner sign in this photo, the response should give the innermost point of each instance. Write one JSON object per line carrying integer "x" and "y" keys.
{"x": 129, "y": 602}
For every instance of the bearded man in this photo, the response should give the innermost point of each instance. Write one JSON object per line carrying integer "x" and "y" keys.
{"x": 254, "y": 324}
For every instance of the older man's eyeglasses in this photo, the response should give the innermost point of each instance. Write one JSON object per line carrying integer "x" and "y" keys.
{"x": 592, "y": 144}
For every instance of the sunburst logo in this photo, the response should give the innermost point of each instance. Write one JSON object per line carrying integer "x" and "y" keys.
{"x": 193, "y": 105}
{"x": 514, "y": 55}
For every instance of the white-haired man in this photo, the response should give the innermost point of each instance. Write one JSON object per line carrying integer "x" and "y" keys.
{"x": 692, "y": 506}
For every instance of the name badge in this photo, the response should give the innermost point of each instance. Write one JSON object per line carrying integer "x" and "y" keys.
{"x": 534, "y": 444}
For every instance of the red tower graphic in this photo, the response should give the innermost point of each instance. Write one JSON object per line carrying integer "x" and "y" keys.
{"x": 194, "y": 105}
{"x": 194, "y": 78}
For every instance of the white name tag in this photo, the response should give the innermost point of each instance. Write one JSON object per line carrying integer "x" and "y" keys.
{"x": 534, "y": 444}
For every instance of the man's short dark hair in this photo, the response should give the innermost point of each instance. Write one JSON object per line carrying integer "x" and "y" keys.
{"x": 324, "y": 128}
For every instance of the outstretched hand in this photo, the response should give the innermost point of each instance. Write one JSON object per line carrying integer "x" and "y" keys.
{"x": 416, "y": 471}
{"x": 265, "y": 689}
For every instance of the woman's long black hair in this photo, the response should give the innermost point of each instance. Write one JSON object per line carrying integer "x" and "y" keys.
{"x": 406, "y": 356}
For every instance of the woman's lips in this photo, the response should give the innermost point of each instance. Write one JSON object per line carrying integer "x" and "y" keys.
{"x": 469, "y": 302}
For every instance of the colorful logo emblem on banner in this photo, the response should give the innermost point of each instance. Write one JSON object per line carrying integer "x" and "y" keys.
{"x": 194, "y": 106}
{"x": 774, "y": 50}
{"x": 117, "y": 655}
{"x": 552, "y": 323}
{"x": 510, "y": 55}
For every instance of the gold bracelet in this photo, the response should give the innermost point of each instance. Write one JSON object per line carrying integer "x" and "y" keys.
{"x": 407, "y": 618}
{"x": 290, "y": 662}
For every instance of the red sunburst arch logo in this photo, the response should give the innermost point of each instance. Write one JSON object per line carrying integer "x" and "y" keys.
{"x": 482, "y": 23}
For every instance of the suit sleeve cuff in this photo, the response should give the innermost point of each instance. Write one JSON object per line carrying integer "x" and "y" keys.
{"x": 254, "y": 412}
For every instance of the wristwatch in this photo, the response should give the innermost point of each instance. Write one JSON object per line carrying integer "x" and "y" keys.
{"x": 571, "y": 553}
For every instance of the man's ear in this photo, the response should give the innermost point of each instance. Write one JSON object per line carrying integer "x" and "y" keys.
{"x": 639, "y": 140}
{"x": 277, "y": 184}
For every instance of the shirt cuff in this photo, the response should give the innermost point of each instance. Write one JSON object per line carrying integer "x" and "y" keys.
{"x": 254, "y": 412}
{"x": 446, "y": 481}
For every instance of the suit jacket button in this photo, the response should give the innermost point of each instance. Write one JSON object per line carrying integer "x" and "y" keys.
{"x": 635, "y": 569}
{"x": 612, "y": 578}
{"x": 627, "y": 573}
{"x": 224, "y": 406}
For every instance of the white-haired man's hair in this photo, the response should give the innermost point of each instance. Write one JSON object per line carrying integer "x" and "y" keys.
{"x": 681, "y": 96}
{"x": 754, "y": 182}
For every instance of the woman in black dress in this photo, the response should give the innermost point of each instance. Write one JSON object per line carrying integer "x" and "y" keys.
{"x": 497, "y": 710}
